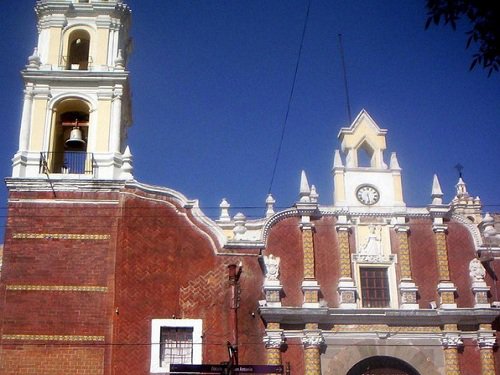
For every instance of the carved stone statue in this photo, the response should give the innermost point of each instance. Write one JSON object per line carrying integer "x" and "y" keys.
{"x": 272, "y": 267}
{"x": 476, "y": 270}
{"x": 372, "y": 244}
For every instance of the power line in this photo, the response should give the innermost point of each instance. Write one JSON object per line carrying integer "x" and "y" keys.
{"x": 283, "y": 128}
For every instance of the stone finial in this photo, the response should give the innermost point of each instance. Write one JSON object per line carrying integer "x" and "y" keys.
{"x": 224, "y": 211}
{"x": 34, "y": 60}
{"x": 476, "y": 270}
{"x": 394, "y": 164}
{"x": 239, "y": 229}
{"x": 437, "y": 193}
{"x": 337, "y": 160}
{"x": 272, "y": 267}
{"x": 305, "y": 190}
{"x": 314, "y": 194}
{"x": 119, "y": 61}
{"x": 270, "y": 205}
{"x": 461, "y": 189}
{"x": 127, "y": 167}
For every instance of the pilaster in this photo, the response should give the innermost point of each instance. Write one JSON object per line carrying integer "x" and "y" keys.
{"x": 446, "y": 289}
{"x": 273, "y": 341}
{"x": 486, "y": 341}
{"x": 407, "y": 288}
{"x": 451, "y": 342}
{"x": 312, "y": 340}
{"x": 346, "y": 287}
{"x": 310, "y": 286}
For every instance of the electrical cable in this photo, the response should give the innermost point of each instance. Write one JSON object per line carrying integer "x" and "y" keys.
{"x": 283, "y": 128}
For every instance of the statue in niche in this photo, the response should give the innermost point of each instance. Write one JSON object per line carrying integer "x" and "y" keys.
{"x": 272, "y": 267}
{"x": 372, "y": 245}
{"x": 476, "y": 270}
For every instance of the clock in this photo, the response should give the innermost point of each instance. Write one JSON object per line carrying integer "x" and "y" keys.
{"x": 367, "y": 194}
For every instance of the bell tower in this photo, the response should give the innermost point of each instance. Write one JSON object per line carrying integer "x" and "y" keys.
{"x": 76, "y": 108}
{"x": 365, "y": 180}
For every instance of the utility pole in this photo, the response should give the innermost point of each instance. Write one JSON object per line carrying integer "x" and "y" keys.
{"x": 234, "y": 273}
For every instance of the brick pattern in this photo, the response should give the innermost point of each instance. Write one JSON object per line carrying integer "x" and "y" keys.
{"x": 57, "y": 284}
{"x": 451, "y": 361}
{"x": 51, "y": 360}
{"x": 442, "y": 256}
{"x": 203, "y": 289}
{"x": 447, "y": 297}
{"x": 273, "y": 356}
{"x": 345, "y": 256}
{"x": 311, "y": 296}
{"x": 404, "y": 255}
{"x": 308, "y": 248}
{"x": 312, "y": 361}
{"x": 487, "y": 361}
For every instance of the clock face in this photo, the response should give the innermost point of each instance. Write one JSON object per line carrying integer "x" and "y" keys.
{"x": 367, "y": 194}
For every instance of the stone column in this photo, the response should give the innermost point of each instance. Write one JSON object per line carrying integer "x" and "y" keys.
{"x": 273, "y": 341}
{"x": 407, "y": 288}
{"x": 446, "y": 289}
{"x": 346, "y": 287}
{"x": 312, "y": 341}
{"x": 451, "y": 342}
{"x": 116, "y": 122}
{"x": 486, "y": 341}
{"x": 24, "y": 133}
{"x": 310, "y": 286}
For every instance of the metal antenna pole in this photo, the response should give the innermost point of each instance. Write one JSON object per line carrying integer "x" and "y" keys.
{"x": 348, "y": 103}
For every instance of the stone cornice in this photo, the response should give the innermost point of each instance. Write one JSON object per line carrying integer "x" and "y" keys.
{"x": 421, "y": 317}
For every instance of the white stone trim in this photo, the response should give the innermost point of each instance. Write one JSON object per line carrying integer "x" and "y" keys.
{"x": 157, "y": 324}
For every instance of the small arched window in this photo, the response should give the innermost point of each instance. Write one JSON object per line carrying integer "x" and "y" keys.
{"x": 78, "y": 57}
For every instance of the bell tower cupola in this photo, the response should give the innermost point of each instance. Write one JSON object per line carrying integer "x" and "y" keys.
{"x": 76, "y": 108}
{"x": 361, "y": 176}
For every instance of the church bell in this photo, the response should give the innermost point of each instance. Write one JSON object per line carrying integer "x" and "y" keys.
{"x": 75, "y": 140}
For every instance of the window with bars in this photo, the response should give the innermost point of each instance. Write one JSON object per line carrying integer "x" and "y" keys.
{"x": 176, "y": 345}
{"x": 374, "y": 287}
{"x": 175, "y": 341}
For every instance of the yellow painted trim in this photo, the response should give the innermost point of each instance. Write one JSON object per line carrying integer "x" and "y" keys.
{"x": 61, "y": 236}
{"x": 51, "y": 337}
{"x": 58, "y": 288}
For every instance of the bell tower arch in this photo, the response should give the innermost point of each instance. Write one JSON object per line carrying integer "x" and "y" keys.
{"x": 76, "y": 108}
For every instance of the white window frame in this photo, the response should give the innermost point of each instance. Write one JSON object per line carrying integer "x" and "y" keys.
{"x": 158, "y": 324}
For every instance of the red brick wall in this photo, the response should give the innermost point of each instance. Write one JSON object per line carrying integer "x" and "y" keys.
{"x": 469, "y": 358}
{"x": 49, "y": 261}
{"x": 166, "y": 268}
{"x": 460, "y": 253}
{"x": 423, "y": 261}
{"x": 285, "y": 241}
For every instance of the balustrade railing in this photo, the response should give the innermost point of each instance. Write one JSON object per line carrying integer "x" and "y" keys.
{"x": 67, "y": 162}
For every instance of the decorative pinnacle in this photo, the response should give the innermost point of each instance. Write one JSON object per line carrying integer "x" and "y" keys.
{"x": 314, "y": 195}
{"x": 305, "y": 190}
{"x": 337, "y": 160}
{"x": 224, "y": 210}
{"x": 437, "y": 193}
{"x": 394, "y": 164}
{"x": 270, "y": 205}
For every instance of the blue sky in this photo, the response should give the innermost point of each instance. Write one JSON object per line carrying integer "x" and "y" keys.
{"x": 211, "y": 81}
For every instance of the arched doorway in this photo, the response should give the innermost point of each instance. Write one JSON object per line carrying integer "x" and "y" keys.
{"x": 382, "y": 365}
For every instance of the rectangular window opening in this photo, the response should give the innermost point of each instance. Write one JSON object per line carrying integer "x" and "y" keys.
{"x": 374, "y": 287}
